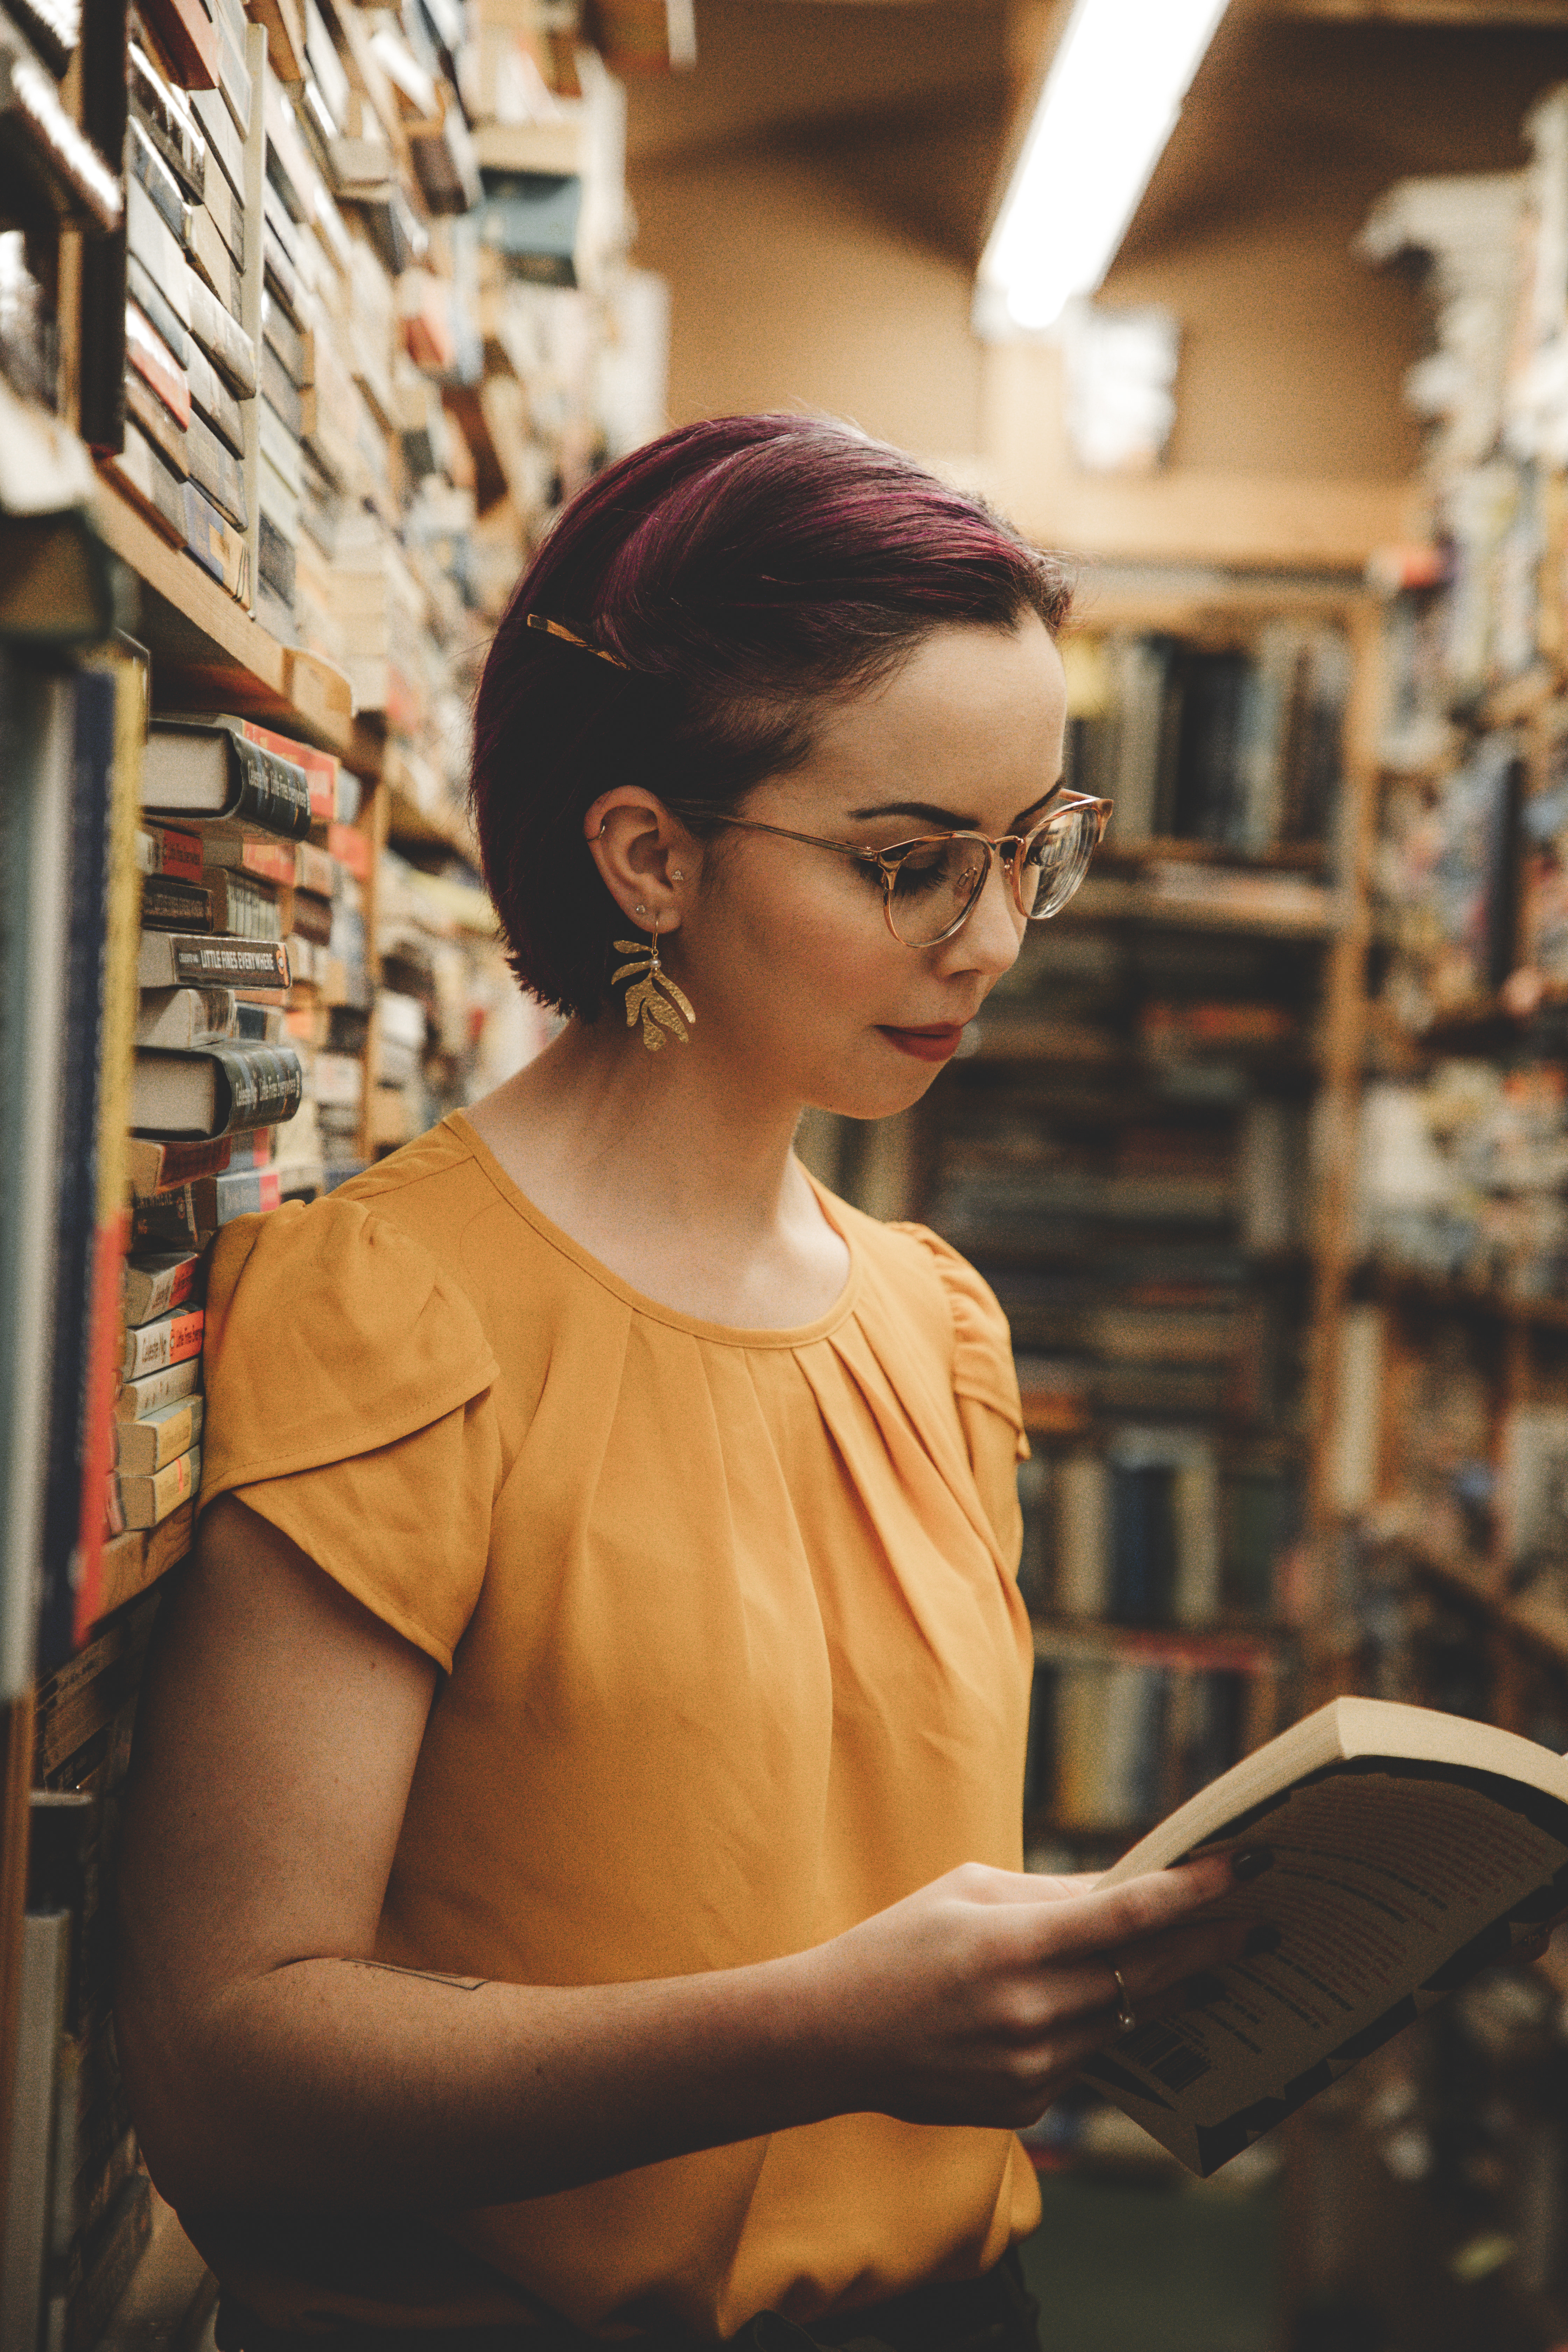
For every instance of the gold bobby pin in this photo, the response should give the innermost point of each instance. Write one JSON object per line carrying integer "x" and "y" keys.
{"x": 567, "y": 636}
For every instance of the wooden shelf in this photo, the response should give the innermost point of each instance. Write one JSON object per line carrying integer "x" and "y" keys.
{"x": 1110, "y": 899}
{"x": 1151, "y": 849}
{"x": 1465, "y": 1298}
{"x": 1217, "y": 1648}
{"x": 208, "y": 654}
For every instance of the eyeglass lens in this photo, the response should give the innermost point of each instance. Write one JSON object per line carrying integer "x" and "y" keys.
{"x": 937, "y": 884}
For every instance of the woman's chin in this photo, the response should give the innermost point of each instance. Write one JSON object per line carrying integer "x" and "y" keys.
{"x": 883, "y": 1096}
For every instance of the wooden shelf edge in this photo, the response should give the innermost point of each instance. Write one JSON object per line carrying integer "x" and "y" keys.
{"x": 204, "y": 643}
{"x": 1244, "y": 1647}
{"x": 1461, "y": 1299}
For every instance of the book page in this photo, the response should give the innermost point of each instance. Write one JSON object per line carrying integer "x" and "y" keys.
{"x": 1394, "y": 1882}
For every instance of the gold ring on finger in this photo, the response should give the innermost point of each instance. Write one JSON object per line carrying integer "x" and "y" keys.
{"x": 1125, "y": 2017}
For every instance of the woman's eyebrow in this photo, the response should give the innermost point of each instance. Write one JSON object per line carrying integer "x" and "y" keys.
{"x": 926, "y": 810}
{"x": 931, "y": 814}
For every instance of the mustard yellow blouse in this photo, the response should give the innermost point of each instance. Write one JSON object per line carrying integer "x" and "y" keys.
{"x": 735, "y": 1656}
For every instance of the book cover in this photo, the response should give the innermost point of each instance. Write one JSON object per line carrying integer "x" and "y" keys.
{"x": 146, "y": 1447}
{"x": 216, "y": 544}
{"x": 192, "y": 960}
{"x": 214, "y": 769}
{"x": 157, "y": 1284}
{"x": 242, "y": 904}
{"x": 162, "y": 114}
{"x": 178, "y": 1017}
{"x": 177, "y": 852}
{"x": 84, "y": 1225}
{"x": 1412, "y": 1849}
{"x": 153, "y": 1391}
{"x": 270, "y": 860}
{"x": 160, "y": 1166}
{"x": 169, "y": 904}
{"x": 214, "y": 1089}
{"x": 170, "y": 1339}
{"x": 147, "y": 1501}
{"x": 196, "y": 1211}
{"x": 150, "y": 355}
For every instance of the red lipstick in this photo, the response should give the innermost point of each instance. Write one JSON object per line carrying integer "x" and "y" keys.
{"x": 937, "y": 1043}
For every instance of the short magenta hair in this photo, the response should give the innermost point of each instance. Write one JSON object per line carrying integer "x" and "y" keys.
{"x": 748, "y": 571}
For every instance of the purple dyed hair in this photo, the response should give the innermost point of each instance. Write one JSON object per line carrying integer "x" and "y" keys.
{"x": 747, "y": 571}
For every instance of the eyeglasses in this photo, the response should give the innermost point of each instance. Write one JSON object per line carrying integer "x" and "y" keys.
{"x": 932, "y": 886}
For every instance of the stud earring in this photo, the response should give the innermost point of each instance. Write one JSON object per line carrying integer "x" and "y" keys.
{"x": 648, "y": 976}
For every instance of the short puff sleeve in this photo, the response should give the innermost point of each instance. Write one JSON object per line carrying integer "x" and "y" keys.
{"x": 349, "y": 1403}
{"x": 984, "y": 1388}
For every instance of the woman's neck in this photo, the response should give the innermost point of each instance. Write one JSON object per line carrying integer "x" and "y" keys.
{"x": 678, "y": 1176}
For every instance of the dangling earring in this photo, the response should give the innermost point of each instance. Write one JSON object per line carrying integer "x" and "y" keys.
{"x": 647, "y": 977}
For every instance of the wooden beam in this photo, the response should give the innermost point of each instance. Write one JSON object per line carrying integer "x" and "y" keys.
{"x": 1490, "y": 13}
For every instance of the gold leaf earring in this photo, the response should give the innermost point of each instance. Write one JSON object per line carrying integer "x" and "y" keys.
{"x": 648, "y": 976}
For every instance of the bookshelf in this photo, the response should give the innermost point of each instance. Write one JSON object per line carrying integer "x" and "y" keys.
{"x": 300, "y": 487}
{"x": 1442, "y": 1555}
{"x": 1125, "y": 1140}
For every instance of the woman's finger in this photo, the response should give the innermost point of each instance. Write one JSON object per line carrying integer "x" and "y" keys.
{"x": 1125, "y": 1915}
{"x": 1086, "y": 1989}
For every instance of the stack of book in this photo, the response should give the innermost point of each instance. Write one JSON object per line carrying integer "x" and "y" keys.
{"x": 450, "y": 1020}
{"x": 1239, "y": 746}
{"x": 1159, "y": 1526}
{"x": 1117, "y": 1742}
{"x": 213, "y": 1083}
{"x": 286, "y": 360}
{"x": 190, "y": 365}
{"x": 226, "y": 815}
{"x": 97, "y": 2200}
{"x": 1462, "y": 1172}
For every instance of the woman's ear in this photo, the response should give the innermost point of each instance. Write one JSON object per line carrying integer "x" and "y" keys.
{"x": 644, "y": 855}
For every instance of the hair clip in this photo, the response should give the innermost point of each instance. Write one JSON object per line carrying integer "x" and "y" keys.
{"x": 568, "y": 637}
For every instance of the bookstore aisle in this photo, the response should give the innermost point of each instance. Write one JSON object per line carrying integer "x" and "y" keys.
{"x": 1266, "y": 1151}
{"x": 310, "y": 316}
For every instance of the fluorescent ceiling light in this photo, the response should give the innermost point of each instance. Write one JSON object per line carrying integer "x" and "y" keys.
{"x": 1111, "y": 101}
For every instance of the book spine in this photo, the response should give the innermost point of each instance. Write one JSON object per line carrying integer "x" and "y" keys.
{"x": 153, "y": 1391}
{"x": 143, "y": 1447}
{"x": 271, "y": 792}
{"x": 147, "y": 1501}
{"x": 265, "y": 1084}
{"x": 161, "y": 1167}
{"x": 177, "y": 852}
{"x": 150, "y": 1346}
{"x": 175, "y": 960}
{"x": 158, "y": 1291}
{"x": 75, "y": 1243}
{"x": 242, "y": 905}
{"x": 196, "y": 1211}
{"x": 175, "y": 906}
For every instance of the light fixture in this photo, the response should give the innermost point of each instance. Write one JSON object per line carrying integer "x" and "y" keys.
{"x": 1111, "y": 101}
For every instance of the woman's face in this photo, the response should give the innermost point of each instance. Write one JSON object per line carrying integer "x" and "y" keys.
{"x": 785, "y": 950}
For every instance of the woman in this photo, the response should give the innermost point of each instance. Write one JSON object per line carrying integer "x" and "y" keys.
{"x": 571, "y": 1878}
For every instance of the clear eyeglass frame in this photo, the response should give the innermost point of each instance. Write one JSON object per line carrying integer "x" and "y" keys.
{"x": 1075, "y": 828}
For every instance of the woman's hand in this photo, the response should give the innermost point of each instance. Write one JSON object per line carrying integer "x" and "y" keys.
{"x": 976, "y": 2000}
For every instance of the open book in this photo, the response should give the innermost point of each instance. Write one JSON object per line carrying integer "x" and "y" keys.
{"x": 1412, "y": 1849}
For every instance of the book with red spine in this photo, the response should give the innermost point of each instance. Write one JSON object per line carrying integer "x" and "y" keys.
{"x": 321, "y": 768}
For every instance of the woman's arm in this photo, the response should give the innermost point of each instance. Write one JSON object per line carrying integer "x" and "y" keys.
{"x": 272, "y": 2061}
